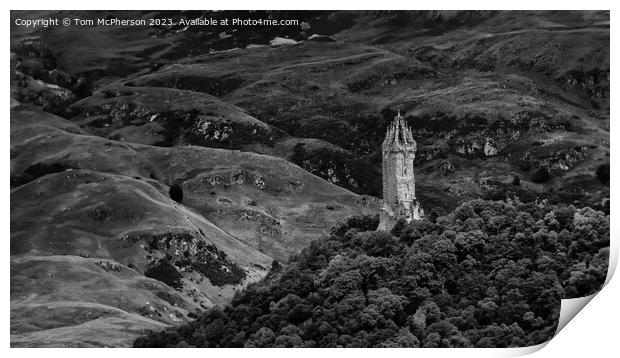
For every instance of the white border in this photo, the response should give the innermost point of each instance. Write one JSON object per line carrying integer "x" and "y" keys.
{"x": 593, "y": 332}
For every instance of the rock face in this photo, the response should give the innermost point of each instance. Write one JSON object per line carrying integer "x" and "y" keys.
{"x": 489, "y": 148}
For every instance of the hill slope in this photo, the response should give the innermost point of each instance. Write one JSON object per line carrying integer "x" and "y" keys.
{"x": 93, "y": 201}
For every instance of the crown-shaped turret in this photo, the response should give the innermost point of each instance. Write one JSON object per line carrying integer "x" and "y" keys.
{"x": 399, "y": 136}
{"x": 399, "y": 200}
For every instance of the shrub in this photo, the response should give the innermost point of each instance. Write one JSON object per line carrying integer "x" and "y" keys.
{"x": 602, "y": 173}
{"x": 176, "y": 193}
{"x": 541, "y": 175}
{"x": 164, "y": 271}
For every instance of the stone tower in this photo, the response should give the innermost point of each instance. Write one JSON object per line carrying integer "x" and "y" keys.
{"x": 399, "y": 199}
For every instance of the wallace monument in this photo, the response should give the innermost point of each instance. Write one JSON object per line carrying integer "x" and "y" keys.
{"x": 398, "y": 153}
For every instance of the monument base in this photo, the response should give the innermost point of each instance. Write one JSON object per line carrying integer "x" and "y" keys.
{"x": 410, "y": 211}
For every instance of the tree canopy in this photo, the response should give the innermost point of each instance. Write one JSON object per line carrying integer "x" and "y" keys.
{"x": 489, "y": 274}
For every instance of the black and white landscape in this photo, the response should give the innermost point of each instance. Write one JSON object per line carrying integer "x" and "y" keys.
{"x": 221, "y": 185}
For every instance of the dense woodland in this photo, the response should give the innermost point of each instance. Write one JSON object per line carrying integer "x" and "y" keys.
{"x": 489, "y": 274}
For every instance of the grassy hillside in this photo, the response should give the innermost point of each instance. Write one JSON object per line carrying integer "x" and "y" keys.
{"x": 77, "y": 196}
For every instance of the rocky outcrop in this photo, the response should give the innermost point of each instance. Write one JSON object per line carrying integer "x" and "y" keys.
{"x": 49, "y": 97}
{"x": 168, "y": 117}
{"x": 489, "y": 148}
{"x": 36, "y": 79}
{"x": 170, "y": 255}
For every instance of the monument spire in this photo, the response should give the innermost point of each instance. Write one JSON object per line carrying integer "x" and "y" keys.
{"x": 399, "y": 200}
